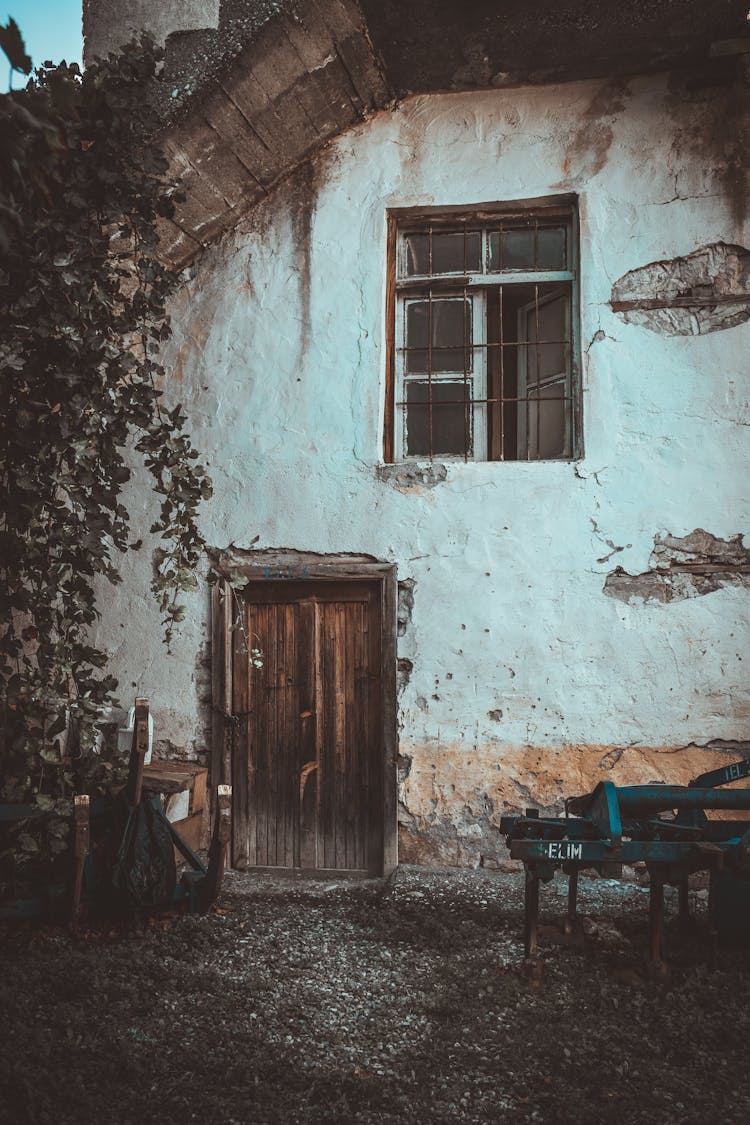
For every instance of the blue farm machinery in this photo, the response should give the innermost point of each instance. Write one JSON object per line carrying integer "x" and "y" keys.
{"x": 666, "y": 827}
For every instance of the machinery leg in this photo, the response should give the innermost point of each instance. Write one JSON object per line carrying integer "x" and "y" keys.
{"x": 570, "y": 920}
{"x": 657, "y": 951}
{"x": 684, "y": 900}
{"x": 713, "y": 933}
{"x": 531, "y": 914}
{"x": 532, "y": 962}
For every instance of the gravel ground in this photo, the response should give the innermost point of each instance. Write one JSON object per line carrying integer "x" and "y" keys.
{"x": 348, "y": 1003}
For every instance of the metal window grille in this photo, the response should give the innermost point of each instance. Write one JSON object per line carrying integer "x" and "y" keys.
{"x": 485, "y": 345}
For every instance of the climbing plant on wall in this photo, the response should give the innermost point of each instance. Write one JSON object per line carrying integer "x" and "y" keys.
{"x": 82, "y": 317}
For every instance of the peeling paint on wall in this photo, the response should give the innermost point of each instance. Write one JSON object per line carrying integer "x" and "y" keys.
{"x": 405, "y": 604}
{"x": 404, "y": 670}
{"x": 410, "y": 476}
{"x": 702, "y": 292}
{"x": 687, "y": 567}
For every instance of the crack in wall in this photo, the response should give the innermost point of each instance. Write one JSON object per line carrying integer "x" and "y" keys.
{"x": 733, "y": 748}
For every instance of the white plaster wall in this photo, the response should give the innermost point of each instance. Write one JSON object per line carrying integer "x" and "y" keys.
{"x": 278, "y": 350}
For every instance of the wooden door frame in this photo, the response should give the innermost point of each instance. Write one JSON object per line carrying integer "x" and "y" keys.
{"x": 234, "y": 571}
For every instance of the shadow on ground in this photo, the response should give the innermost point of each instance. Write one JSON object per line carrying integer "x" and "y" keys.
{"x": 364, "y": 1003}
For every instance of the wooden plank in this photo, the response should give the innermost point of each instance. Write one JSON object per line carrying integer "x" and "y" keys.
{"x": 326, "y": 100}
{"x": 281, "y": 74}
{"x": 357, "y": 56}
{"x": 211, "y": 156}
{"x": 307, "y": 772}
{"x": 344, "y": 18}
{"x": 351, "y": 624}
{"x": 290, "y": 735}
{"x": 388, "y": 710}
{"x": 191, "y": 830}
{"x": 276, "y": 593}
{"x": 353, "y": 779}
{"x": 218, "y": 646}
{"x": 292, "y": 566}
{"x": 327, "y": 88}
{"x": 236, "y": 132}
{"x": 390, "y": 343}
{"x": 231, "y": 124}
{"x": 323, "y": 672}
{"x": 241, "y": 778}
{"x": 176, "y": 246}
{"x": 360, "y": 734}
{"x": 273, "y": 739}
{"x": 203, "y": 203}
{"x": 259, "y": 749}
{"x": 338, "y": 743}
{"x": 198, "y": 795}
{"x": 245, "y": 91}
{"x": 291, "y": 68}
{"x": 374, "y": 746}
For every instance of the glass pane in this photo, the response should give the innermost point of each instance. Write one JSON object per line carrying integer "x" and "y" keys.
{"x": 450, "y": 317}
{"x": 517, "y": 250}
{"x": 551, "y": 248}
{"x": 474, "y": 251}
{"x": 449, "y": 419}
{"x": 448, "y": 253}
{"x": 544, "y": 361}
{"x": 417, "y": 253}
{"x": 493, "y": 251}
{"x": 547, "y": 423}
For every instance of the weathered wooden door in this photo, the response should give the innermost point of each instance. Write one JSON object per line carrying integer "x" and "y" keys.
{"x": 307, "y": 759}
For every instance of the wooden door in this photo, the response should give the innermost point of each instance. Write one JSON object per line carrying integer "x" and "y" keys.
{"x": 307, "y": 761}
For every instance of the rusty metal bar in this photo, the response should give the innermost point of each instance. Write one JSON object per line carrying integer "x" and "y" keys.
{"x": 466, "y": 380}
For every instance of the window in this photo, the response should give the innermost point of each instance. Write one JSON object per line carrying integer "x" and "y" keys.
{"x": 482, "y": 361}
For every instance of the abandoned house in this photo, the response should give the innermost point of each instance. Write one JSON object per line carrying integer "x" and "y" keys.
{"x": 462, "y": 334}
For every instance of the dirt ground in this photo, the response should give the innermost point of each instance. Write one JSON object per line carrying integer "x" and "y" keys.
{"x": 363, "y": 1003}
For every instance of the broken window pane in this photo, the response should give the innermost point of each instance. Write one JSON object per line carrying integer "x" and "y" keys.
{"x": 451, "y": 330}
{"x": 450, "y": 404}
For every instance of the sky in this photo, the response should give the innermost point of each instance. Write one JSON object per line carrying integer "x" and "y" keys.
{"x": 51, "y": 30}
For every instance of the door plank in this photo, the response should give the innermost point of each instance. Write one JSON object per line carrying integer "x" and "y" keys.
{"x": 241, "y": 776}
{"x": 306, "y": 771}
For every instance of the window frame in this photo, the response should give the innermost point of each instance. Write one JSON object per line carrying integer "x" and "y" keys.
{"x": 398, "y": 289}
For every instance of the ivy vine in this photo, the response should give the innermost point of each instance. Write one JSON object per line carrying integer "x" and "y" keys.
{"x": 82, "y": 320}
